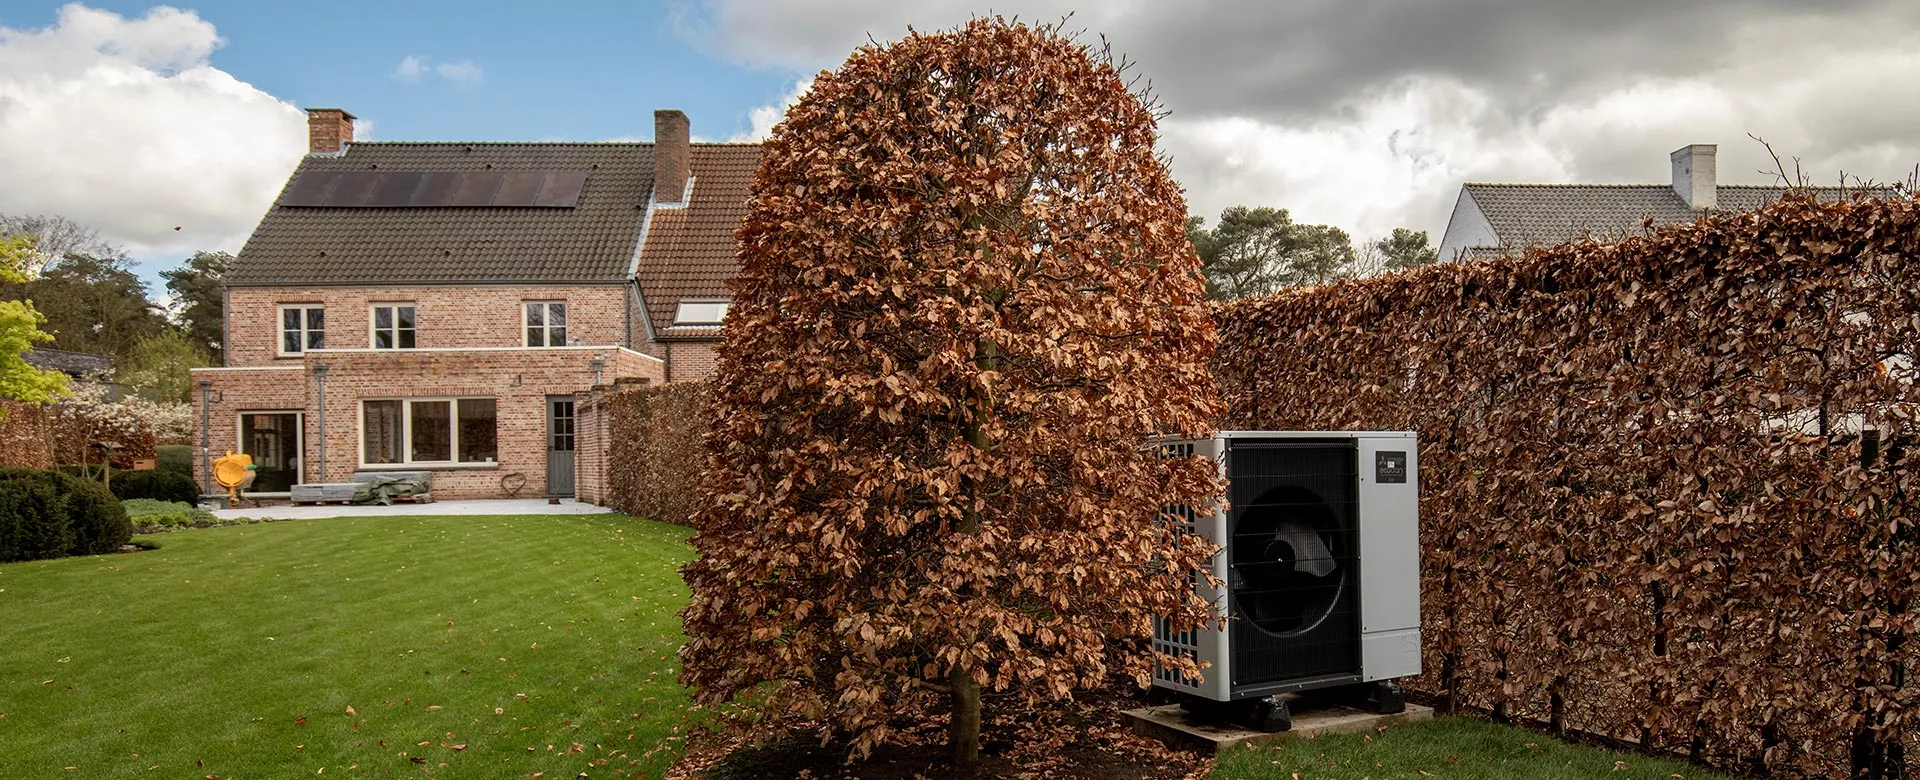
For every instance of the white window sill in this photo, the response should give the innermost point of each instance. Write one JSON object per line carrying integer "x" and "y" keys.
{"x": 427, "y": 466}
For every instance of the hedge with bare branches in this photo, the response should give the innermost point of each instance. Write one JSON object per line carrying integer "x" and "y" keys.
{"x": 1647, "y": 509}
{"x": 966, "y": 298}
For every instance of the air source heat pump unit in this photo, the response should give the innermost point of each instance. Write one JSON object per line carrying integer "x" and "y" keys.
{"x": 1320, "y": 573}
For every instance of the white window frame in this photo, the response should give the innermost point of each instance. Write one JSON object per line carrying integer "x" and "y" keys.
{"x": 406, "y": 432}
{"x": 280, "y": 328}
{"x": 681, "y": 309}
{"x": 300, "y": 426}
{"x": 373, "y": 331}
{"x": 546, "y": 330}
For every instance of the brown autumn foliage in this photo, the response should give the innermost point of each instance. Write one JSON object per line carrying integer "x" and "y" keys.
{"x": 651, "y": 431}
{"x": 1646, "y": 512}
{"x": 25, "y": 433}
{"x": 966, "y": 300}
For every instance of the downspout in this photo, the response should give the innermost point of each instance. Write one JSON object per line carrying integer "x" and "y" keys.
{"x": 320, "y": 378}
{"x": 206, "y": 430}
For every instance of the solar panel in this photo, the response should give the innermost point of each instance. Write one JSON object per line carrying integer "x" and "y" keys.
{"x": 476, "y": 189}
{"x": 437, "y": 188}
{"x": 519, "y": 188}
{"x": 355, "y": 188}
{"x": 395, "y": 189}
{"x": 310, "y": 189}
{"x": 562, "y": 189}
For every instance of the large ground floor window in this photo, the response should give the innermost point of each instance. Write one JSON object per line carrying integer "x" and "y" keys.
{"x": 426, "y": 431}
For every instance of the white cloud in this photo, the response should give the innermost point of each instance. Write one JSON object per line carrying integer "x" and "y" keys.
{"x": 1369, "y": 114}
{"x": 460, "y": 73}
{"x": 410, "y": 68}
{"x": 763, "y": 118}
{"x": 121, "y": 124}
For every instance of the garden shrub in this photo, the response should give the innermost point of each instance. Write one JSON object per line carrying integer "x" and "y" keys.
{"x": 175, "y": 459}
{"x": 149, "y": 515}
{"x": 160, "y": 485}
{"x": 33, "y": 520}
{"x": 97, "y": 522}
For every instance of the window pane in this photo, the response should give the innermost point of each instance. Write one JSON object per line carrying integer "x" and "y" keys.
{"x": 316, "y": 318}
{"x": 290, "y": 341}
{"x": 477, "y": 430}
{"x": 382, "y": 317}
{"x": 289, "y": 319}
{"x": 383, "y": 339}
{"x": 557, "y": 336}
{"x": 432, "y": 431}
{"x": 535, "y": 336}
{"x": 536, "y": 315}
{"x": 381, "y": 421}
{"x": 316, "y": 340}
{"x": 406, "y": 316}
{"x": 557, "y": 314}
{"x": 406, "y": 339}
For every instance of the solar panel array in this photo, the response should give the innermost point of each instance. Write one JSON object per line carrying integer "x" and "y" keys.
{"x": 436, "y": 189}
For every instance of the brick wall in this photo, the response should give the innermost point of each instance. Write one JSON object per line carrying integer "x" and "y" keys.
{"x": 519, "y": 380}
{"x": 447, "y": 316}
{"x": 691, "y": 361}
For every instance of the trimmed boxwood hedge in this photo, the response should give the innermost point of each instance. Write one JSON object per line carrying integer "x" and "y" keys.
{"x": 157, "y": 485}
{"x": 47, "y": 514}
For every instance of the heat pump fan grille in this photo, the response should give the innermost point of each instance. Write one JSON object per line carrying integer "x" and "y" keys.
{"x": 1293, "y": 534}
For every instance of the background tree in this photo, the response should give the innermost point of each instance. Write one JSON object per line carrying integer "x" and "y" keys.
{"x": 20, "y": 331}
{"x": 1405, "y": 248}
{"x": 54, "y": 237}
{"x": 197, "y": 301}
{"x": 158, "y": 366}
{"x": 1257, "y": 251}
{"x": 92, "y": 304}
{"x": 966, "y": 300}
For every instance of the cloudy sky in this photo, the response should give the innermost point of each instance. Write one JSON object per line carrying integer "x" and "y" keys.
{"x": 1366, "y": 114}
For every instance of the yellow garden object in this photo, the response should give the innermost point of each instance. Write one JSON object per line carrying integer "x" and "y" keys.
{"x": 233, "y": 471}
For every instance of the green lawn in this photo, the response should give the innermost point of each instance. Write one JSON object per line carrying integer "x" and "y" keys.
{"x": 452, "y": 647}
{"x": 1443, "y": 748}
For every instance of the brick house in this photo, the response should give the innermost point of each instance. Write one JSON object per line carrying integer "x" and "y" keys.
{"x": 437, "y": 306}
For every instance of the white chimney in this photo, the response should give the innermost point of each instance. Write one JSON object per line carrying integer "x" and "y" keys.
{"x": 1694, "y": 176}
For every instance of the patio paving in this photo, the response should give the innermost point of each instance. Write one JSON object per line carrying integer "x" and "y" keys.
{"x": 498, "y": 506}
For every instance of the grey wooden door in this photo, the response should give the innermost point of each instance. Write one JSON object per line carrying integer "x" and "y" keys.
{"x": 560, "y": 445}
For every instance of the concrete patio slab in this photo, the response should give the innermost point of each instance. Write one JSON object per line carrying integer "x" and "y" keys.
{"x": 1176, "y": 727}
{"x": 498, "y": 506}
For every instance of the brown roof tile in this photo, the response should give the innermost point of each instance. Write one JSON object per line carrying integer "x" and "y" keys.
{"x": 592, "y": 241}
{"x": 690, "y": 251}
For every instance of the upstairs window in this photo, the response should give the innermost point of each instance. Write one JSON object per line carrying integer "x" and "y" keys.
{"x": 700, "y": 313}
{"x": 302, "y": 327}
{"x": 546, "y": 323}
{"x": 393, "y": 326}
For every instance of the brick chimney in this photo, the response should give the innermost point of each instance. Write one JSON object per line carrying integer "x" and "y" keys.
{"x": 671, "y": 156}
{"x": 328, "y": 129}
{"x": 1695, "y": 177}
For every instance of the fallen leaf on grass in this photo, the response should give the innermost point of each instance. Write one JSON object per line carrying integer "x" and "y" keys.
{"x": 1619, "y": 766}
{"x": 416, "y": 759}
{"x": 350, "y": 710}
{"x": 461, "y": 746}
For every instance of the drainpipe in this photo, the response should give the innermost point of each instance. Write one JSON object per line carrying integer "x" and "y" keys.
{"x": 206, "y": 429}
{"x": 320, "y": 377}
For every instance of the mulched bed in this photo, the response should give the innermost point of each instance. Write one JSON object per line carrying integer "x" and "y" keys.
{"x": 1083, "y": 739}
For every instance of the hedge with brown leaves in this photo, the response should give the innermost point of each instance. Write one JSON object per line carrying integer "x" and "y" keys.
{"x": 26, "y": 435}
{"x": 1645, "y": 512}
{"x": 966, "y": 297}
{"x": 653, "y": 449}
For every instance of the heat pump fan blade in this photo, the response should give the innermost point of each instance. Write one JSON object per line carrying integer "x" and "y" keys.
{"x": 1310, "y": 554}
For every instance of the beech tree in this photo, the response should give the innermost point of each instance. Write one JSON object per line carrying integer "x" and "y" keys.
{"x": 966, "y": 303}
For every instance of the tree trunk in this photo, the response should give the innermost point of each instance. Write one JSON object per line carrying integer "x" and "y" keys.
{"x": 963, "y": 735}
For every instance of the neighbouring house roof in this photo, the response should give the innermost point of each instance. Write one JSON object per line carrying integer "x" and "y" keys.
{"x": 73, "y": 364}
{"x": 1523, "y": 215}
{"x": 690, "y": 252}
{"x": 306, "y": 239}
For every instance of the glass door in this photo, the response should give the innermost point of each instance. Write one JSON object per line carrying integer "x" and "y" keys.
{"x": 273, "y": 439}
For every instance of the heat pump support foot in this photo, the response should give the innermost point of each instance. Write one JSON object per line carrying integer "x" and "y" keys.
{"x": 1272, "y": 714}
{"x": 1384, "y": 697}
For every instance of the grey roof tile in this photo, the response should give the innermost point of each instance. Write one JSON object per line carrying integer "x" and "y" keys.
{"x": 1525, "y": 215}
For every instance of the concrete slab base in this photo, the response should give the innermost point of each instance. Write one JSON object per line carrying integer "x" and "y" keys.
{"x": 1175, "y": 727}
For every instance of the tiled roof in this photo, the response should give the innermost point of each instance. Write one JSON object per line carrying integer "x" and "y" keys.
{"x": 690, "y": 251}
{"x": 1548, "y": 214}
{"x": 590, "y": 242}
{"x": 73, "y": 364}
